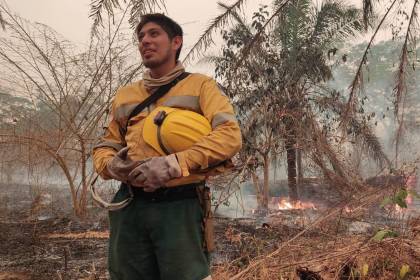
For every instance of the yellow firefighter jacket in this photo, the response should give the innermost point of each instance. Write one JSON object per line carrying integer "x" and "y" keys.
{"x": 197, "y": 93}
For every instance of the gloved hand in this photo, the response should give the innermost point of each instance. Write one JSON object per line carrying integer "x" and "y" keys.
{"x": 121, "y": 165}
{"x": 155, "y": 172}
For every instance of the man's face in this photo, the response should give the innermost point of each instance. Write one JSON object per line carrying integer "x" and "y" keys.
{"x": 155, "y": 47}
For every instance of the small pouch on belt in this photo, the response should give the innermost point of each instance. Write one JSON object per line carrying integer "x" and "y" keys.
{"x": 204, "y": 196}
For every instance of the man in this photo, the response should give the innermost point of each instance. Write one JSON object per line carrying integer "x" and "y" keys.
{"x": 159, "y": 235}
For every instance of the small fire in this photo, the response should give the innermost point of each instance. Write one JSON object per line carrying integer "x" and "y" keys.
{"x": 348, "y": 209}
{"x": 284, "y": 204}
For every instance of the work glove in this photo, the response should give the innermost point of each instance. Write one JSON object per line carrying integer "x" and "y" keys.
{"x": 121, "y": 165}
{"x": 155, "y": 172}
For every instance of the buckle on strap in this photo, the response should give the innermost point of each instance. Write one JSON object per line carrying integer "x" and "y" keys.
{"x": 159, "y": 118}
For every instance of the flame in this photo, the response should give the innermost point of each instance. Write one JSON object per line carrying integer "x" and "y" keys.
{"x": 348, "y": 209}
{"x": 284, "y": 204}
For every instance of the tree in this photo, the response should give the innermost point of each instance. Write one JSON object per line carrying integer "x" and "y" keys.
{"x": 308, "y": 37}
{"x": 69, "y": 92}
{"x": 251, "y": 94}
{"x": 275, "y": 116}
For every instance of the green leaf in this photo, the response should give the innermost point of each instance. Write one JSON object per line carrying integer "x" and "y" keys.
{"x": 400, "y": 197}
{"x": 400, "y": 202}
{"x": 402, "y": 194}
{"x": 385, "y": 233}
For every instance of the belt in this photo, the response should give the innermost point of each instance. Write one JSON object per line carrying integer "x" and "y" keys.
{"x": 162, "y": 194}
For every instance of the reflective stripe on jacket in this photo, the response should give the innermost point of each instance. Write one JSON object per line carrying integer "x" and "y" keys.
{"x": 197, "y": 93}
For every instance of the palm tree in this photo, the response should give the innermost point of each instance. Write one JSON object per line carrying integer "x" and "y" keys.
{"x": 280, "y": 93}
{"x": 135, "y": 8}
{"x": 307, "y": 35}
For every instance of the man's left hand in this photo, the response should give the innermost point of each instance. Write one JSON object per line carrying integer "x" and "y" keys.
{"x": 155, "y": 172}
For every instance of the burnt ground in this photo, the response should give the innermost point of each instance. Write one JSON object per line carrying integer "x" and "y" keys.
{"x": 27, "y": 247}
{"x": 64, "y": 248}
{"x": 56, "y": 245}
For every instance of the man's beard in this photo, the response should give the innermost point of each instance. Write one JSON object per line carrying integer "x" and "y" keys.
{"x": 156, "y": 63}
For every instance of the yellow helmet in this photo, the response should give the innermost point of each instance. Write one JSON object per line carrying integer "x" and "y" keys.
{"x": 170, "y": 130}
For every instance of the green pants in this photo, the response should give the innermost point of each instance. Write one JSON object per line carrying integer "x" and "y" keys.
{"x": 157, "y": 240}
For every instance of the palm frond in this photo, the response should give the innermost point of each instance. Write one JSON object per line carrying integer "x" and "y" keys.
{"x": 399, "y": 137}
{"x": 400, "y": 90}
{"x": 370, "y": 143}
{"x": 211, "y": 59}
{"x": 2, "y": 22}
{"x": 357, "y": 82}
{"x": 323, "y": 155}
{"x": 335, "y": 22}
{"x": 240, "y": 21}
{"x": 332, "y": 178}
{"x": 97, "y": 7}
{"x": 221, "y": 20}
{"x": 323, "y": 147}
{"x": 293, "y": 23}
{"x": 362, "y": 133}
{"x": 140, "y": 7}
{"x": 367, "y": 13}
{"x": 401, "y": 87}
{"x": 137, "y": 8}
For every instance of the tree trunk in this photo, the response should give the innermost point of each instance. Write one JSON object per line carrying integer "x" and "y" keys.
{"x": 266, "y": 180}
{"x": 9, "y": 172}
{"x": 83, "y": 194}
{"x": 291, "y": 167}
{"x": 260, "y": 196}
{"x": 299, "y": 167}
{"x": 291, "y": 140}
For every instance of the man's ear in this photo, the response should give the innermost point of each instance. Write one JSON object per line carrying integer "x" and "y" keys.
{"x": 176, "y": 42}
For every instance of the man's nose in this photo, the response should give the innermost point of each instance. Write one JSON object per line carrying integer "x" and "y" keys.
{"x": 145, "y": 40}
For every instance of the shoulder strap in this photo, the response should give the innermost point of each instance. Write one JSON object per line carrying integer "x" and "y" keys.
{"x": 152, "y": 99}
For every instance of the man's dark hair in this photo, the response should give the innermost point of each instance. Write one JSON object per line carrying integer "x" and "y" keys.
{"x": 172, "y": 28}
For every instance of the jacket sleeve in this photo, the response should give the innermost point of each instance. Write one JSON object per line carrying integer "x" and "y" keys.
{"x": 108, "y": 146}
{"x": 225, "y": 139}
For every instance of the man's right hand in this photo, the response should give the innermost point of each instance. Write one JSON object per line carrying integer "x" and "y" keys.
{"x": 121, "y": 165}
